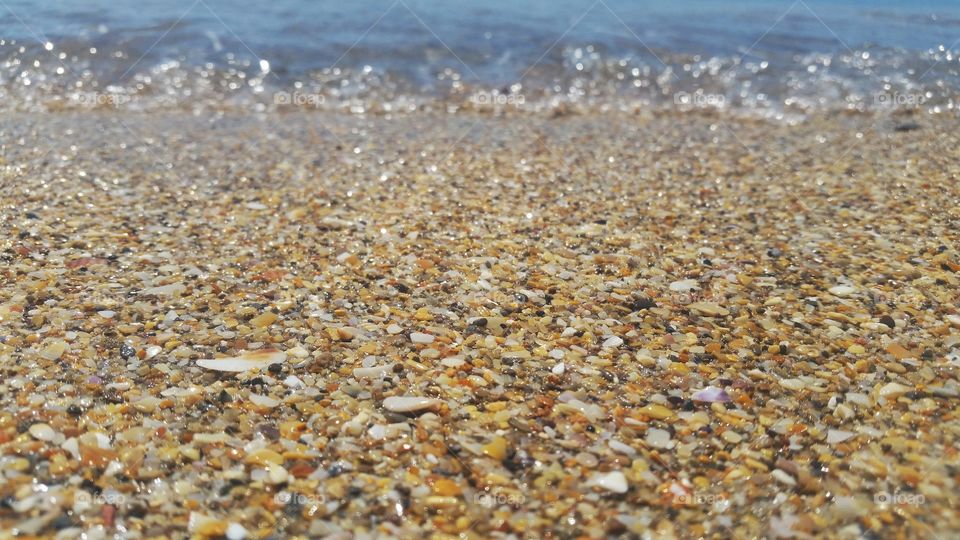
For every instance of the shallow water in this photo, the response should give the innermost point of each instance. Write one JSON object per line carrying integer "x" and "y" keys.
{"x": 767, "y": 56}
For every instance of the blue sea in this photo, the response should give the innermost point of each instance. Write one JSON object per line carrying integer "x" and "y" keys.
{"x": 757, "y": 55}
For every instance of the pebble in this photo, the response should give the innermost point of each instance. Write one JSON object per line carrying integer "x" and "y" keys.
{"x": 404, "y": 404}
{"x": 42, "y": 432}
{"x": 835, "y": 436}
{"x": 235, "y": 531}
{"x": 842, "y": 290}
{"x": 612, "y": 342}
{"x": 893, "y": 390}
{"x": 420, "y": 337}
{"x": 54, "y": 350}
{"x": 658, "y": 438}
{"x": 614, "y": 481}
{"x": 709, "y": 309}
{"x": 711, "y": 394}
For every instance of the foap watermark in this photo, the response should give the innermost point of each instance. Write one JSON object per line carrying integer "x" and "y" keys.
{"x": 102, "y": 99}
{"x": 498, "y": 99}
{"x": 885, "y": 498}
{"x": 298, "y": 499}
{"x": 493, "y": 500}
{"x": 697, "y": 499}
{"x": 699, "y": 99}
{"x": 899, "y": 100}
{"x": 106, "y": 497}
{"x": 298, "y": 99}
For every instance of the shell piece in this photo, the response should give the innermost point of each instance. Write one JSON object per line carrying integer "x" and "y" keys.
{"x": 245, "y": 362}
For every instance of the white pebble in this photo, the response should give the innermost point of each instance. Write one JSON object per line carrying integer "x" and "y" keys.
{"x": 420, "y": 337}
{"x": 684, "y": 285}
{"x": 835, "y": 436}
{"x": 658, "y": 438}
{"x": 235, "y": 531}
{"x": 614, "y": 481}
{"x": 394, "y": 329}
{"x": 42, "y": 432}
{"x": 842, "y": 290}
{"x": 612, "y": 342}
{"x": 559, "y": 368}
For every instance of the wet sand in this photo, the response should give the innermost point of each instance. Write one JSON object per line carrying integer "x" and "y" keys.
{"x": 682, "y": 325}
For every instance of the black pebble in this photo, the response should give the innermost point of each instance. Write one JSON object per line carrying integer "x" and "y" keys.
{"x": 127, "y": 352}
{"x": 888, "y": 320}
{"x": 906, "y": 126}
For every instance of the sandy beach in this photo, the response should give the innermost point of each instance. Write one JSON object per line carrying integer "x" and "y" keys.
{"x": 474, "y": 326}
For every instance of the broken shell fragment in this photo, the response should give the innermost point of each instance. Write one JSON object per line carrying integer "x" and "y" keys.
{"x": 247, "y": 361}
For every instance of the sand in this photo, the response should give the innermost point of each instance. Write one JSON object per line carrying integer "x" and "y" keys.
{"x": 471, "y": 326}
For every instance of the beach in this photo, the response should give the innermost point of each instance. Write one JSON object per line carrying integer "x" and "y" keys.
{"x": 492, "y": 324}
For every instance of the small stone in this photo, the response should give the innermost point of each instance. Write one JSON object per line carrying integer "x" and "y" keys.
{"x": 42, "y": 432}
{"x": 658, "y": 438}
{"x": 497, "y": 448}
{"x": 559, "y": 368}
{"x": 126, "y": 351}
{"x": 841, "y": 290}
{"x": 264, "y": 458}
{"x": 684, "y": 285}
{"x": 900, "y": 352}
{"x": 709, "y": 309}
{"x": 711, "y": 394}
{"x": 264, "y": 320}
{"x": 793, "y": 384}
{"x": 54, "y": 350}
{"x": 404, "y": 404}
{"x": 394, "y": 329}
{"x": 614, "y": 481}
{"x": 298, "y": 352}
{"x": 731, "y": 437}
{"x": 888, "y": 320}
{"x": 204, "y": 525}
{"x": 235, "y": 531}
{"x": 612, "y": 342}
{"x": 276, "y": 474}
{"x": 263, "y": 401}
{"x": 835, "y": 436}
{"x": 893, "y": 390}
{"x": 445, "y": 487}
{"x": 420, "y": 337}
{"x": 783, "y": 477}
{"x": 656, "y": 411}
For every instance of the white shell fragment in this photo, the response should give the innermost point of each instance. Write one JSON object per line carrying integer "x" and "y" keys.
{"x": 245, "y": 362}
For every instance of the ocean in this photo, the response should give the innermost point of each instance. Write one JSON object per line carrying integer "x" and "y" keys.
{"x": 766, "y": 56}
